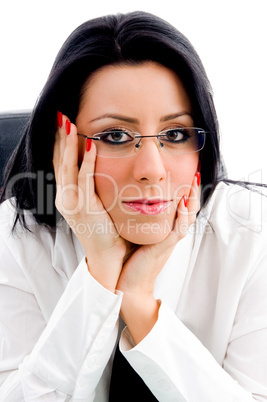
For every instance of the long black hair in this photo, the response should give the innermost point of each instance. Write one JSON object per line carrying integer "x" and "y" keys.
{"x": 131, "y": 38}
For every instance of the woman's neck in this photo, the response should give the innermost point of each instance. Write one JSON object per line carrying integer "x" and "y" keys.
{"x": 130, "y": 249}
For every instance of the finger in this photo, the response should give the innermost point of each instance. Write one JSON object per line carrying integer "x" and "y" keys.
{"x": 181, "y": 224}
{"x": 66, "y": 167}
{"x": 69, "y": 197}
{"x": 56, "y": 157}
{"x": 193, "y": 204}
{"x": 59, "y": 146}
{"x": 69, "y": 155}
{"x": 87, "y": 168}
{"x": 87, "y": 175}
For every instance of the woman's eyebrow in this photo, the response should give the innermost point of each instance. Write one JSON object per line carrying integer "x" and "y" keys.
{"x": 175, "y": 116}
{"x": 132, "y": 120}
{"x": 116, "y": 117}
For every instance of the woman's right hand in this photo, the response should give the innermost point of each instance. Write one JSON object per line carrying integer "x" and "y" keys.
{"x": 78, "y": 203}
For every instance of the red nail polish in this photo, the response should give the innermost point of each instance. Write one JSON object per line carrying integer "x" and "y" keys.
{"x": 185, "y": 200}
{"x": 60, "y": 119}
{"x": 88, "y": 144}
{"x": 68, "y": 126}
{"x": 198, "y": 178}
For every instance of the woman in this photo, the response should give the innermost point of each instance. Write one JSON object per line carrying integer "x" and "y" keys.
{"x": 126, "y": 129}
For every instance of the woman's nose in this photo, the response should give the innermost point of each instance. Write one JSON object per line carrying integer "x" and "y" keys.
{"x": 149, "y": 166}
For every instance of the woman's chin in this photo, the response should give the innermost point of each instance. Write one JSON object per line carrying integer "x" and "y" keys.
{"x": 146, "y": 233}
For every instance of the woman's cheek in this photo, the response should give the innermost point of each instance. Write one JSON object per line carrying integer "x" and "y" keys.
{"x": 111, "y": 175}
{"x": 107, "y": 190}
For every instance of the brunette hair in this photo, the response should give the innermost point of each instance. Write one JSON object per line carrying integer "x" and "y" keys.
{"x": 131, "y": 38}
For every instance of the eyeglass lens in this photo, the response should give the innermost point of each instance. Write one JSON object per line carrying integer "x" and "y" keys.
{"x": 176, "y": 141}
{"x": 119, "y": 144}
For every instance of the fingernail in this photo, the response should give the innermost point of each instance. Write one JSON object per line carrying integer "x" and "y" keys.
{"x": 185, "y": 200}
{"x": 198, "y": 178}
{"x": 88, "y": 144}
{"x": 68, "y": 126}
{"x": 60, "y": 119}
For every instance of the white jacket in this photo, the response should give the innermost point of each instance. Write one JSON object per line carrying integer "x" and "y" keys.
{"x": 59, "y": 327}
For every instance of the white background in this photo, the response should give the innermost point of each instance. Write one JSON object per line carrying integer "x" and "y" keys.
{"x": 229, "y": 35}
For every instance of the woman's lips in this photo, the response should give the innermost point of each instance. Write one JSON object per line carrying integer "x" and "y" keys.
{"x": 148, "y": 207}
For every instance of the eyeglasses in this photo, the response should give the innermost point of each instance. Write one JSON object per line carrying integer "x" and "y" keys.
{"x": 123, "y": 143}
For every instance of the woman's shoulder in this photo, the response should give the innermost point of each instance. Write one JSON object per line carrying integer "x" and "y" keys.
{"x": 50, "y": 248}
{"x": 235, "y": 207}
{"x": 9, "y": 223}
{"x": 16, "y": 237}
{"x": 231, "y": 230}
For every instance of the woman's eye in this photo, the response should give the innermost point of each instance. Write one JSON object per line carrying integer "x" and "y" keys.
{"x": 176, "y": 134}
{"x": 116, "y": 136}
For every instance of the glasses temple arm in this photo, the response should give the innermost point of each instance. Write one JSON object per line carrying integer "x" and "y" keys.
{"x": 88, "y": 138}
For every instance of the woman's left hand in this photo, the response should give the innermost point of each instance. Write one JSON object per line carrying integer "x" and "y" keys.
{"x": 139, "y": 308}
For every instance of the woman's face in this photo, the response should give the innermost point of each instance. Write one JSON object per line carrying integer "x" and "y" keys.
{"x": 140, "y": 192}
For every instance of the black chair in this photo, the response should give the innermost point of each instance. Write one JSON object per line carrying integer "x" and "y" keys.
{"x": 12, "y": 125}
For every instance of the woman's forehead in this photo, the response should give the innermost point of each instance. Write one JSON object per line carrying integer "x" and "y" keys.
{"x": 129, "y": 90}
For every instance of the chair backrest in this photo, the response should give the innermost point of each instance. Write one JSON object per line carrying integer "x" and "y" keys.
{"x": 12, "y": 125}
